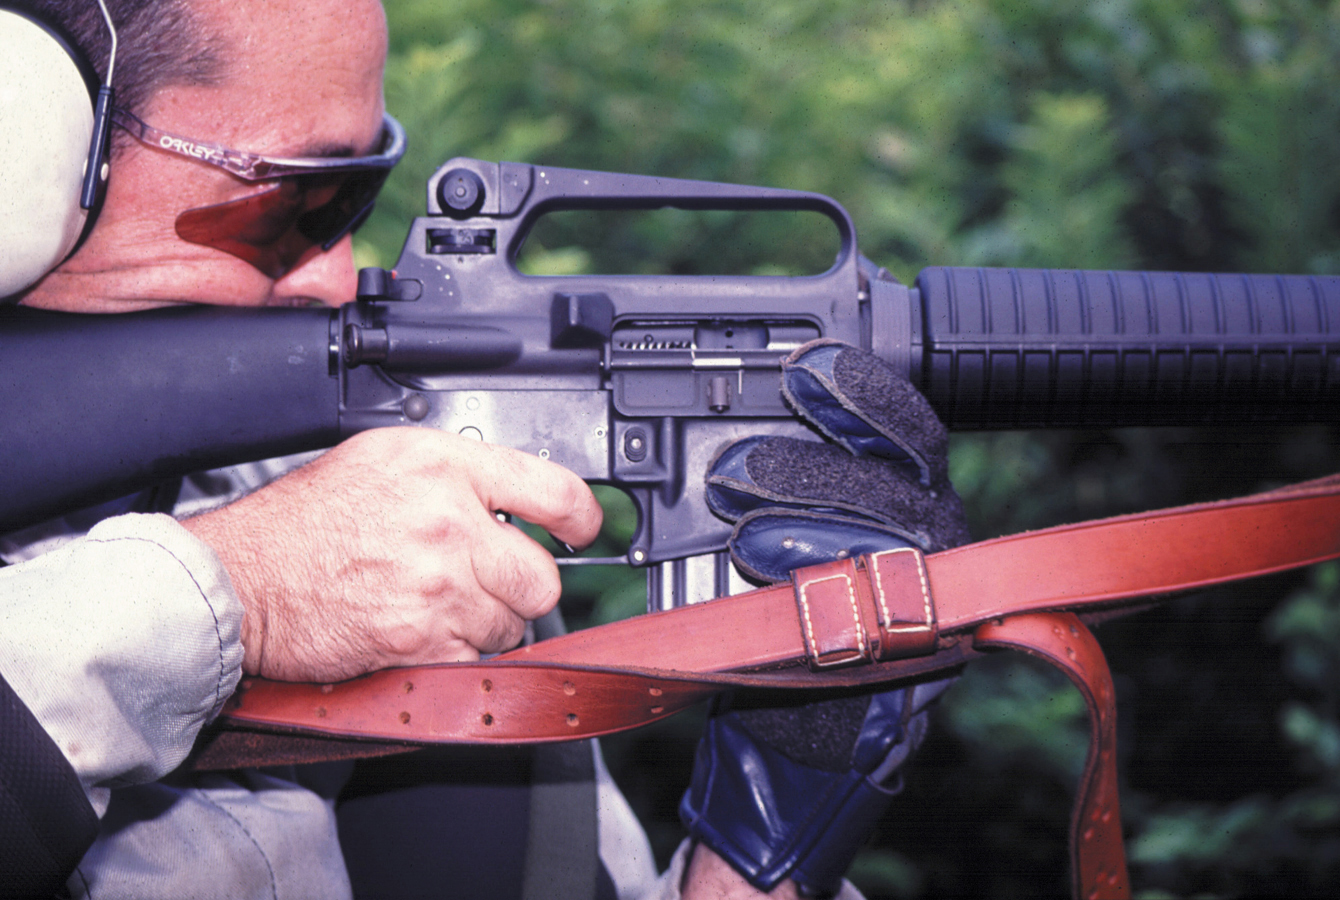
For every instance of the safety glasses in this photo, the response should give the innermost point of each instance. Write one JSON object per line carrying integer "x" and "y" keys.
{"x": 314, "y": 202}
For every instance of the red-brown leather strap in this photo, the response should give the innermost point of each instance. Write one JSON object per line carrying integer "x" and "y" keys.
{"x": 896, "y": 607}
{"x": 1147, "y": 554}
{"x": 1097, "y": 854}
{"x": 1090, "y": 566}
{"x": 893, "y": 616}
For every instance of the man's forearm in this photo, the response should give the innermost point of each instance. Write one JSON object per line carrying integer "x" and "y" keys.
{"x": 123, "y": 644}
{"x": 709, "y": 877}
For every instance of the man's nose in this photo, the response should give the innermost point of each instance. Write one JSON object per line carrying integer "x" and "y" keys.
{"x": 327, "y": 278}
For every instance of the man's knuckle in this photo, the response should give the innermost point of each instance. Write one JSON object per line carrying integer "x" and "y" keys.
{"x": 541, "y": 593}
{"x": 406, "y": 636}
{"x": 505, "y": 630}
{"x": 532, "y": 588}
{"x": 513, "y": 584}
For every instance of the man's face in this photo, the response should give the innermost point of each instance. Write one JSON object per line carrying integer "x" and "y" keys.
{"x": 303, "y": 78}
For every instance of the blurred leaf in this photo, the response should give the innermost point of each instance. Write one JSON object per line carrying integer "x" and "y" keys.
{"x": 1198, "y": 836}
{"x": 1067, "y": 195}
{"x": 881, "y": 873}
{"x": 1013, "y": 707}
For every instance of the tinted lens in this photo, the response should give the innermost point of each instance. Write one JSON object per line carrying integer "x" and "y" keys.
{"x": 325, "y": 224}
{"x": 275, "y": 228}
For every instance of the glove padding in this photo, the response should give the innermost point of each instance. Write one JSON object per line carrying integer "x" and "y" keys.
{"x": 885, "y": 484}
{"x": 794, "y": 790}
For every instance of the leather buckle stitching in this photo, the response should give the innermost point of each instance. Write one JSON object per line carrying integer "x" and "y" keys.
{"x": 829, "y": 640}
{"x": 906, "y": 617}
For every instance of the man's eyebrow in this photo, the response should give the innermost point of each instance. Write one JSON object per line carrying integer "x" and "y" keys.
{"x": 336, "y": 150}
{"x": 315, "y": 151}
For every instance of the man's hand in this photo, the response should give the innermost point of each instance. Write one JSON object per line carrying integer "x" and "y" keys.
{"x": 387, "y": 551}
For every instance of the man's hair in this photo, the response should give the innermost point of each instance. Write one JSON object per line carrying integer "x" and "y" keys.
{"x": 159, "y": 43}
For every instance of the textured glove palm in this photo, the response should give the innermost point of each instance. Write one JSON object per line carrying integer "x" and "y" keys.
{"x": 793, "y": 790}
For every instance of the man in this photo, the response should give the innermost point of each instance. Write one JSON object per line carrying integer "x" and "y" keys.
{"x": 384, "y": 551}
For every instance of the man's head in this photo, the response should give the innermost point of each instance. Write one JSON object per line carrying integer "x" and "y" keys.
{"x": 285, "y": 78}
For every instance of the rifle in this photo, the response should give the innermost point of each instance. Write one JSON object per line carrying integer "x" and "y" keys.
{"x": 632, "y": 380}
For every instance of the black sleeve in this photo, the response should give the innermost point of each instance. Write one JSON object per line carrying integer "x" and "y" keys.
{"x": 46, "y": 822}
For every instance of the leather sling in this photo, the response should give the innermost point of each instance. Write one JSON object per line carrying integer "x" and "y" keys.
{"x": 890, "y": 617}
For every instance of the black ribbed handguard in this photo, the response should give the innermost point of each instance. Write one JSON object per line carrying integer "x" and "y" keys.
{"x": 1026, "y": 348}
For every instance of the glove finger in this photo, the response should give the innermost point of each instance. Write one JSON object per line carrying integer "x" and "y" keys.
{"x": 786, "y": 473}
{"x": 861, "y": 403}
{"x": 734, "y": 490}
{"x": 768, "y": 543}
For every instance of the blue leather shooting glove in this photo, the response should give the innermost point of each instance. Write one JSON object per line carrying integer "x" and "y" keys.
{"x": 793, "y": 788}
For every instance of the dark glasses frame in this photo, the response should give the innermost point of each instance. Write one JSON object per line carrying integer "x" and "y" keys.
{"x": 256, "y": 167}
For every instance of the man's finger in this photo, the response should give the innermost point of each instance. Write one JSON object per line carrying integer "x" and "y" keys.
{"x": 492, "y": 627}
{"x": 541, "y": 492}
{"x": 516, "y": 571}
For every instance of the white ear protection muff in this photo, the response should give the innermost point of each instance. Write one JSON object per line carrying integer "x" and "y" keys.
{"x": 47, "y": 101}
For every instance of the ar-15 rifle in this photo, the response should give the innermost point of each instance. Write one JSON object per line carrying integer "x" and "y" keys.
{"x": 634, "y": 381}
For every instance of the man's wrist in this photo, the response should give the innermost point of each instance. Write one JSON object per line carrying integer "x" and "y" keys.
{"x": 212, "y": 528}
{"x": 709, "y": 877}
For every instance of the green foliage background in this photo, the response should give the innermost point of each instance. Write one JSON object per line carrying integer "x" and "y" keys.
{"x": 1159, "y": 134}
